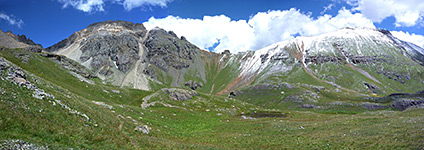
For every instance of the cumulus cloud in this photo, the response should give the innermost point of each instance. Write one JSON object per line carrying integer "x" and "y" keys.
{"x": 406, "y": 36}
{"x": 262, "y": 29}
{"x": 97, "y": 5}
{"x": 12, "y": 20}
{"x": 273, "y": 26}
{"x": 208, "y": 31}
{"x": 84, "y": 5}
{"x": 406, "y": 12}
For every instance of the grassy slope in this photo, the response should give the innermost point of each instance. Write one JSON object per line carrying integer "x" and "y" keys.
{"x": 218, "y": 75}
{"x": 38, "y": 121}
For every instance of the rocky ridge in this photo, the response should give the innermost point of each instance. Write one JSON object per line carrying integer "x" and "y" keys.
{"x": 127, "y": 54}
{"x": 10, "y": 40}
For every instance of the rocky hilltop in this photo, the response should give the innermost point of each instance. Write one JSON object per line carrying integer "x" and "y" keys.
{"x": 127, "y": 54}
{"x": 358, "y": 60}
{"x": 10, "y": 40}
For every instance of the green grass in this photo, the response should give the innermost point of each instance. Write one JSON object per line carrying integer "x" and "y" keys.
{"x": 219, "y": 76}
{"x": 204, "y": 122}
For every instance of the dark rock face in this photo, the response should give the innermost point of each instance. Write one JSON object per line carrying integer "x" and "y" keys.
{"x": 123, "y": 49}
{"x": 193, "y": 84}
{"x": 71, "y": 39}
{"x": 108, "y": 44}
{"x": 70, "y": 65}
{"x": 166, "y": 50}
{"x": 319, "y": 59}
{"x": 22, "y": 38}
{"x": 180, "y": 94}
{"x": 400, "y": 77}
{"x": 280, "y": 57}
{"x": 373, "y": 88}
{"x": 371, "y": 106}
{"x": 401, "y": 101}
{"x": 341, "y": 59}
{"x": 403, "y": 104}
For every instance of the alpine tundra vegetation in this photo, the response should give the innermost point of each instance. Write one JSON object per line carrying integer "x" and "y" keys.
{"x": 123, "y": 85}
{"x": 116, "y": 85}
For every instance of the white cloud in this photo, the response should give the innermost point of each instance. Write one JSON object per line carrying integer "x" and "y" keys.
{"x": 130, "y": 4}
{"x": 233, "y": 35}
{"x": 262, "y": 29}
{"x": 406, "y": 12}
{"x": 97, "y": 5}
{"x": 326, "y": 8}
{"x": 12, "y": 19}
{"x": 275, "y": 26}
{"x": 84, "y": 5}
{"x": 406, "y": 36}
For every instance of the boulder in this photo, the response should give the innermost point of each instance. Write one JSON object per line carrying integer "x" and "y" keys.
{"x": 19, "y": 81}
{"x": 3, "y": 65}
{"x": 144, "y": 129}
{"x": 180, "y": 94}
{"x": 193, "y": 84}
{"x": 308, "y": 106}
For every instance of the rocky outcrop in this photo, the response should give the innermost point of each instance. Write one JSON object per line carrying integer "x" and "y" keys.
{"x": 126, "y": 54}
{"x": 308, "y": 106}
{"x": 193, "y": 84}
{"x": 10, "y": 40}
{"x": 21, "y": 145}
{"x": 70, "y": 65}
{"x": 17, "y": 76}
{"x": 373, "y": 88}
{"x": 109, "y": 50}
{"x": 166, "y": 50}
{"x": 144, "y": 129}
{"x": 180, "y": 94}
{"x": 373, "y": 106}
{"x": 106, "y": 45}
{"x": 404, "y": 103}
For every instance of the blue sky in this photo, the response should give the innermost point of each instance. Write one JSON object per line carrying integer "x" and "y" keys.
{"x": 216, "y": 24}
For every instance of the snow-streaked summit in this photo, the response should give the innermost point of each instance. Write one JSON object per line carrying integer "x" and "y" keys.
{"x": 359, "y": 41}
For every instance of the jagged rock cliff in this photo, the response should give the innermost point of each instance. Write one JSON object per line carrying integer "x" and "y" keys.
{"x": 354, "y": 60}
{"x": 127, "y": 54}
{"x": 10, "y": 40}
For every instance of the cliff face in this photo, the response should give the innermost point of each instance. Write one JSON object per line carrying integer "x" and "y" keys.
{"x": 127, "y": 54}
{"x": 354, "y": 60}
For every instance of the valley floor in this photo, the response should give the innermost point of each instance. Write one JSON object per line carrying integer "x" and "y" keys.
{"x": 66, "y": 112}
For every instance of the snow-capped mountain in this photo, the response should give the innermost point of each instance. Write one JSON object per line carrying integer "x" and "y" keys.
{"x": 371, "y": 53}
{"x": 361, "y": 60}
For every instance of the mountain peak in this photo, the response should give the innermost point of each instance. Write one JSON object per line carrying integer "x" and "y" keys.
{"x": 11, "y": 40}
{"x": 114, "y": 24}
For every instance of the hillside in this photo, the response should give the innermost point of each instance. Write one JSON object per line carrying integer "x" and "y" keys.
{"x": 116, "y": 85}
